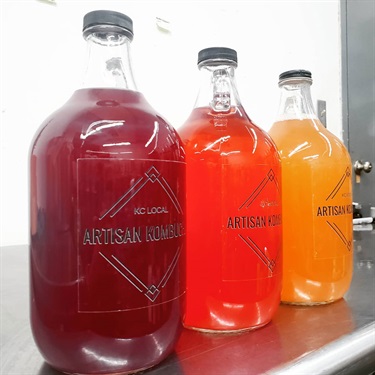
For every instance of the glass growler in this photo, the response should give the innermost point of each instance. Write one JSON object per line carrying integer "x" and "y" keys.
{"x": 317, "y": 199}
{"x": 107, "y": 219}
{"x": 233, "y": 207}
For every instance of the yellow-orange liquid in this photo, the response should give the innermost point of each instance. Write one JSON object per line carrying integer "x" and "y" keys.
{"x": 317, "y": 212}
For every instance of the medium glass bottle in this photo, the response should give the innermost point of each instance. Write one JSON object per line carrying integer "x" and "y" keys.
{"x": 317, "y": 199}
{"x": 107, "y": 219}
{"x": 233, "y": 207}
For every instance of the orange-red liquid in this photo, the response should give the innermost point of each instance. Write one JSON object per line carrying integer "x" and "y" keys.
{"x": 317, "y": 212}
{"x": 233, "y": 222}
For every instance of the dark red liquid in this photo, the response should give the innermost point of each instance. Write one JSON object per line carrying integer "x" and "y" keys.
{"x": 107, "y": 250}
{"x": 233, "y": 222}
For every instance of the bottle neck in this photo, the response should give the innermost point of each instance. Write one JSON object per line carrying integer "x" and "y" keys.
{"x": 218, "y": 88}
{"x": 108, "y": 63}
{"x": 295, "y": 100}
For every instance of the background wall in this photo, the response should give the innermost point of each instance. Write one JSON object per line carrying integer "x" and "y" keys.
{"x": 42, "y": 55}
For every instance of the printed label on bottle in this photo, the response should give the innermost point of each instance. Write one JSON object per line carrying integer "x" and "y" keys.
{"x": 333, "y": 212}
{"x": 252, "y": 226}
{"x": 131, "y": 233}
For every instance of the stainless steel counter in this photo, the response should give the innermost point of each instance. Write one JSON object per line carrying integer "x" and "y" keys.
{"x": 333, "y": 339}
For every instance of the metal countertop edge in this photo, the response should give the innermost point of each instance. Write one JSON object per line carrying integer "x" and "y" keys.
{"x": 342, "y": 356}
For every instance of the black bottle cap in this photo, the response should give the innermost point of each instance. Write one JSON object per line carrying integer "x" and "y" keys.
{"x": 217, "y": 53}
{"x": 108, "y": 17}
{"x": 300, "y": 73}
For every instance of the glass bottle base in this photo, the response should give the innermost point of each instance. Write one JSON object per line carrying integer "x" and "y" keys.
{"x": 224, "y": 331}
{"x": 113, "y": 373}
{"x": 310, "y": 303}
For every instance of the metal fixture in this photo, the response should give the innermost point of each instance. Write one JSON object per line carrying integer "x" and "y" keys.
{"x": 360, "y": 166}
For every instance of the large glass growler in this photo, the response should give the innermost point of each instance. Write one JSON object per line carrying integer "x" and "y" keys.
{"x": 317, "y": 199}
{"x": 234, "y": 259}
{"x": 107, "y": 247}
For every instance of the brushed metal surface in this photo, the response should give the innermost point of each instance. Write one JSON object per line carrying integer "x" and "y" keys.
{"x": 338, "y": 338}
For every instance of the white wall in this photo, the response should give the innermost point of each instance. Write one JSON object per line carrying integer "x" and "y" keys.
{"x": 42, "y": 55}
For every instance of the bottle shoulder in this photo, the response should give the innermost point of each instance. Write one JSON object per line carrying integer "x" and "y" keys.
{"x": 204, "y": 124}
{"x": 108, "y": 120}
{"x": 307, "y": 140}
{"x": 224, "y": 134}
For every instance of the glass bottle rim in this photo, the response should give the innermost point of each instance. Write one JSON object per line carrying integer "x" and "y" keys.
{"x": 107, "y": 21}
{"x": 295, "y": 76}
{"x": 217, "y": 62}
{"x": 102, "y": 32}
{"x": 215, "y": 56}
{"x": 295, "y": 81}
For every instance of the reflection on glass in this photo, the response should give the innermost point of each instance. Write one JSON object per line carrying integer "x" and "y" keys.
{"x": 234, "y": 238}
{"x": 317, "y": 199}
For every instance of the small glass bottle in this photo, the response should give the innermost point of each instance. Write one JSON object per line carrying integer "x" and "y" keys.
{"x": 317, "y": 199}
{"x": 233, "y": 207}
{"x": 107, "y": 240}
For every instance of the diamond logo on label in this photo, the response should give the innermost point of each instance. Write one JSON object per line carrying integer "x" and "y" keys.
{"x": 257, "y": 226}
{"x": 131, "y": 232}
